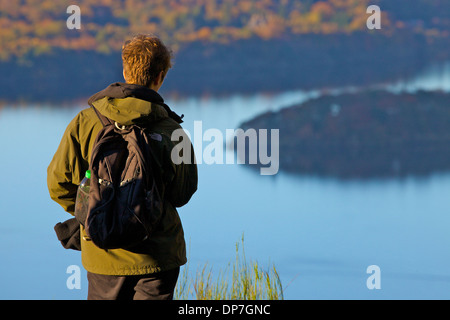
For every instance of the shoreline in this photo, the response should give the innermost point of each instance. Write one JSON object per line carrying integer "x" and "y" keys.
{"x": 301, "y": 63}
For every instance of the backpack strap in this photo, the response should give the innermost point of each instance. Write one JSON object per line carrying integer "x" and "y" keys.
{"x": 104, "y": 120}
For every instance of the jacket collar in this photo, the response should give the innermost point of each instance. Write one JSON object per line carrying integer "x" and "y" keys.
{"x": 119, "y": 90}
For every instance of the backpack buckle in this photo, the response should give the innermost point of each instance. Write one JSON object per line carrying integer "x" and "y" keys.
{"x": 120, "y": 127}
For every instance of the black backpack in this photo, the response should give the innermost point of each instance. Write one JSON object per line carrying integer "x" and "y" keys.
{"x": 124, "y": 199}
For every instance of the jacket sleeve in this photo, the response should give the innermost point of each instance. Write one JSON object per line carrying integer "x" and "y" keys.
{"x": 64, "y": 171}
{"x": 185, "y": 180}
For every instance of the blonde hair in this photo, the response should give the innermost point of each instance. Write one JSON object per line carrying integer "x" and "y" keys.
{"x": 143, "y": 58}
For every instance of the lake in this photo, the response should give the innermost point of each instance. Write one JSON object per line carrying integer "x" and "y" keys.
{"x": 321, "y": 234}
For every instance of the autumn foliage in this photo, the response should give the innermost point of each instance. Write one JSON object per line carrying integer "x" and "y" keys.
{"x": 34, "y": 27}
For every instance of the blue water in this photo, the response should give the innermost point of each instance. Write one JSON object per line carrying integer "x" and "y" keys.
{"x": 320, "y": 233}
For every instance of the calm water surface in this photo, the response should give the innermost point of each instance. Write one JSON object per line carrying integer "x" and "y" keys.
{"x": 321, "y": 234}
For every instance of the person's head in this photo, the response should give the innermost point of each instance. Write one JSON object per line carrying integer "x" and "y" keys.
{"x": 146, "y": 61}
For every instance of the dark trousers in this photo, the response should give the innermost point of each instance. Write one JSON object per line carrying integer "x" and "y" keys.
{"x": 156, "y": 286}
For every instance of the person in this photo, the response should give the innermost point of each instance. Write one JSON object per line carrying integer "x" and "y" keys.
{"x": 149, "y": 271}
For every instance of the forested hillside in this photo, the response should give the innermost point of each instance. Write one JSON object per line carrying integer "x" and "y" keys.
{"x": 364, "y": 135}
{"x": 33, "y": 27}
{"x": 220, "y": 46}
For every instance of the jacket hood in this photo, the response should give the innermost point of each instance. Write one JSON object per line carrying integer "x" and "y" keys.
{"x": 131, "y": 103}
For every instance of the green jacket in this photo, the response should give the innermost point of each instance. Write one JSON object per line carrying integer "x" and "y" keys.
{"x": 126, "y": 104}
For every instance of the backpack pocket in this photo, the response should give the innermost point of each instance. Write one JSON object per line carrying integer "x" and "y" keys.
{"x": 115, "y": 221}
{"x": 81, "y": 205}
